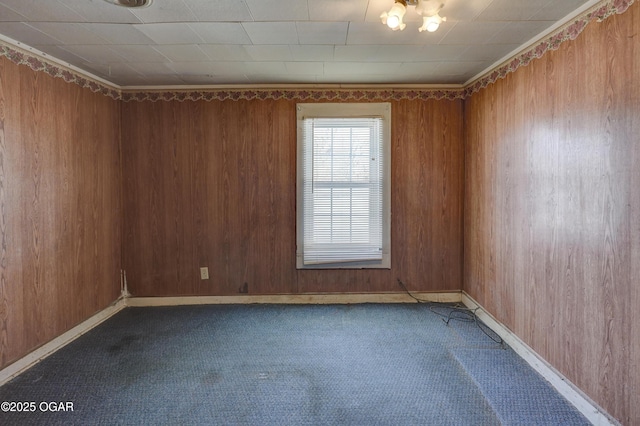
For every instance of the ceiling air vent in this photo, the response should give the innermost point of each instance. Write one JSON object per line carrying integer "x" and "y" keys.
{"x": 130, "y": 3}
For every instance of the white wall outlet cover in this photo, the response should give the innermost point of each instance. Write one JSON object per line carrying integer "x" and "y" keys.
{"x": 204, "y": 273}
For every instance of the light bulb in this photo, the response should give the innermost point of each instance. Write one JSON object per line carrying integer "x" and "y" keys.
{"x": 393, "y": 18}
{"x": 431, "y": 23}
{"x": 393, "y": 22}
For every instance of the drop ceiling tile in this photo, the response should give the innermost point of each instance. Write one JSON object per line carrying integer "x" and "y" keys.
{"x": 463, "y": 10}
{"x": 310, "y": 53}
{"x": 8, "y": 15}
{"x": 426, "y": 38}
{"x": 138, "y": 80}
{"x": 520, "y": 32}
{"x": 473, "y": 32}
{"x": 118, "y": 33}
{"x": 288, "y": 79}
{"x": 418, "y": 69}
{"x": 350, "y": 78}
{"x": 169, "y": 33}
{"x": 110, "y": 71}
{"x": 511, "y": 10}
{"x": 101, "y": 11}
{"x": 278, "y": 10}
{"x": 399, "y": 54}
{"x": 278, "y": 79}
{"x": 229, "y": 79}
{"x": 266, "y": 52}
{"x": 338, "y": 10}
{"x": 221, "y": 32}
{"x": 182, "y": 52}
{"x": 557, "y": 10}
{"x": 441, "y": 52}
{"x": 164, "y": 80}
{"x": 68, "y": 33}
{"x": 95, "y": 54}
{"x": 352, "y": 53}
{"x": 152, "y": 68}
{"x": 460, "y": 67}
{"x": 139, "y": 53}
{"x": 191, "y": 68}
{"x": 216, "y": 11}
{"x": 165, "y": 11}
{"x": 262, "y": 68}
{"x": 228, "y": 68}
{"x": 376, "y": 33}
{"x": 357, "y": 68}
{"x": 26, "y": 34}
{"x": 271, "y": 32}
{"x": 60, "y": 54}
{"x": 40, "y": 10}
{"x": 331, "y": 79}
{"x": 196, "y": 80}
{"x": 443, "y": 78}
{"x": 322, "y": 32}
{"x": 222, "y": 52}
{"x": 420, "y": 79}
{"x": 487, "y": 52}
{"x": 304, "y": 68}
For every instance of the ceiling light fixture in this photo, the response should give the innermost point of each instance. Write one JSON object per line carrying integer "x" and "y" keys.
{"x": 393, "y": 18}
{"x": 130, "y": 3}
{"x": 428, "y": 9}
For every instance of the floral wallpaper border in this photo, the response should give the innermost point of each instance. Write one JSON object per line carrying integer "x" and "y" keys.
{"x": 552, "y": 42}
{"x": 568, "y": 32}
{"x": 37, "y": 63}
{"x": 295, "y": 94}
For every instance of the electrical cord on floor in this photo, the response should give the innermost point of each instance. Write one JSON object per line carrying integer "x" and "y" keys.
{"x": 455, "y": 312}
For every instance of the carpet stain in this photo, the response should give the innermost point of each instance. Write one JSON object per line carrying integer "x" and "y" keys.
{"x": 211, "y": 378}
{"x": 125, "y": 342}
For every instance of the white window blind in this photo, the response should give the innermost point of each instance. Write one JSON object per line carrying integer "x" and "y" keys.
{"x": 343, "y": 184}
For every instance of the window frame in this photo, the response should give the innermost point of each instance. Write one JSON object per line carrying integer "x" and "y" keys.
{"x": 345, "y": 110}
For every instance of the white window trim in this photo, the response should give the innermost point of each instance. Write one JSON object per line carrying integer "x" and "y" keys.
{"x": 345, "y": 110}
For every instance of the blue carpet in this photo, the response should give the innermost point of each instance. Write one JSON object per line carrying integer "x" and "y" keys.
{"x": 287, "y": 365}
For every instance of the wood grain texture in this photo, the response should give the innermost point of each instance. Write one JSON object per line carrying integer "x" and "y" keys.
{"x": 213, "y": 184}
{"x": 60, "y": 207}
{"x": 552, "y": 209}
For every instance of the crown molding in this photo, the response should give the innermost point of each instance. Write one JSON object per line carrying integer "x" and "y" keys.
{"x": 21, "y": 54}
{"x": 36, "y": 60}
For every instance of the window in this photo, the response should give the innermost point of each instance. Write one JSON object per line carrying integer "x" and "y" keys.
{"x": 343, "y": 186}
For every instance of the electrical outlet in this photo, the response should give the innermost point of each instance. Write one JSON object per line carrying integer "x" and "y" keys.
{"x": 204, "y": 273}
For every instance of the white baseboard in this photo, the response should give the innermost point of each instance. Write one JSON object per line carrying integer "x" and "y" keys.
{"x": 318, "y": 299}
{"x": 589, "y": 409}
{"x": 47, "y": 349}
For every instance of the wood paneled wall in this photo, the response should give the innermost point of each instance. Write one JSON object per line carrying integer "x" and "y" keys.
{"x": 60, "y": 207}
{"x": 552, "y": 208}
{"x": 213, "y": 184}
